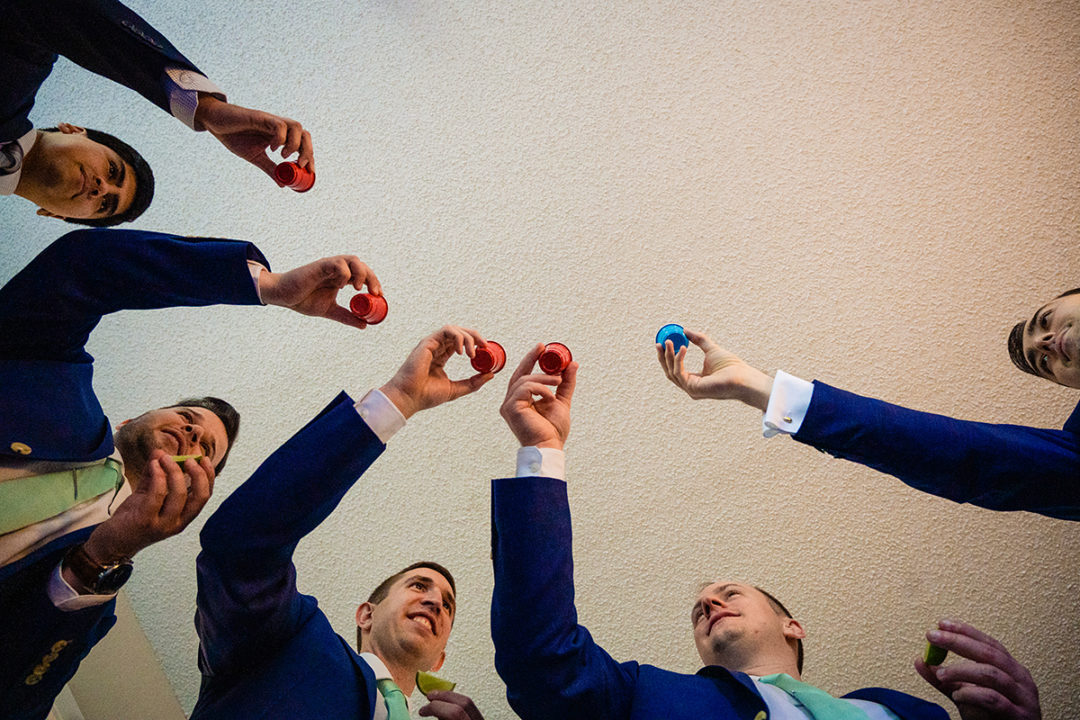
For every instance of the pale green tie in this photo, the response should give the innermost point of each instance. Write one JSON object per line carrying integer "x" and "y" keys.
{"x": 820, "y": 704}
{"x": 396, "y": 709}
{"x": 28, "y": 500}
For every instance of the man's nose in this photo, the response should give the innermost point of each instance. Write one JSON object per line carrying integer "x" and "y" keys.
{"x": 433, "y": 602}
{"x": 1045, "y": 342}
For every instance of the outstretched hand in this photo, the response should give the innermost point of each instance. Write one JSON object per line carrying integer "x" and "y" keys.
{"x": 421, "y": 382}
{"x": 723, "y": 376}
{"x": 543, "y": 422}
{"x": 249, "y": 133}
{"x": 312, "y": 289}
{"x": 993, "y": 686}
{"x": 448, "y": 705}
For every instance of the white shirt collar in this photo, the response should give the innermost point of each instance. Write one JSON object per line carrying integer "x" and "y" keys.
{"x": 381, "y": 673}
{"x": 8, "y": 183}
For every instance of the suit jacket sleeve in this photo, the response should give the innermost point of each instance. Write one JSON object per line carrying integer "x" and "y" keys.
{"x": 102, "y": 36}
{"x": 247, "y": 602}
{"x": 550, "y": 664}
{"x": 48, "y": 310}
{"x": 1000, "y": 467}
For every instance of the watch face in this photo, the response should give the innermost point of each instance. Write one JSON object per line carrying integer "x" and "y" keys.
{"x": 112, "y": 579}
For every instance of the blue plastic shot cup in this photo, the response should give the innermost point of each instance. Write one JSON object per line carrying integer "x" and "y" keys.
{"x": 674, "y": 333}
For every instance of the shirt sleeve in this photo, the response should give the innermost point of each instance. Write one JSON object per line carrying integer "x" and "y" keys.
{"x": 788, "y": 403}
{"x": 380, "y": 414}
{"x": 183, "y": 87}
{"x": 541, "y": 462}
{"x": 65, "y": 598}
{"x": 255, "y": 268}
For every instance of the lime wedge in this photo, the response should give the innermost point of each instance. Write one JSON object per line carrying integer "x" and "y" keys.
{"x": 427, "y": 682}
{"x": 182, "y": 458}
{"x": 934, "y": 655}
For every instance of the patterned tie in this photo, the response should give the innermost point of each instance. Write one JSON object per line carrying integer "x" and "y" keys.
{"x": 396, "y": 708}
{"x": 11, "y": 156}
{"x": 820, "y": 704}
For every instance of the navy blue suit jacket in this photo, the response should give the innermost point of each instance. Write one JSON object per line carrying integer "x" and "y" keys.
{"x": 47, "y": 404}
{"x": 103, "y": 36}
{"x": 1000, "y": 467}
{"x": 551, "y": 665}
{"x": 265, "y": 650}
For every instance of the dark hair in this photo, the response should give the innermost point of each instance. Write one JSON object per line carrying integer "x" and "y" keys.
{"x": 383, "y": 589}
{"x": 1016, "y": 341}
{"x": 783, "y": 612}
{"x": 144, "y": 180}
{"x": 225, "y": 412}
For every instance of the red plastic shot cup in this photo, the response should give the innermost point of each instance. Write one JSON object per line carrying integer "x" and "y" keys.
{"x": 555, "y": 358}
{"x": 369, "y": 308}
{"x": 294, "y": 177}
{"x": 489, "y": 359}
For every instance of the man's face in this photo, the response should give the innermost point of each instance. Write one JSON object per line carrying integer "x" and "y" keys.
{"x": 76, "y": 177}
{"x": 412, "y": 623}
{"x": 1052, "y": 340}
{"x": 734, "y": 623}
{"x": 176, "y": 430}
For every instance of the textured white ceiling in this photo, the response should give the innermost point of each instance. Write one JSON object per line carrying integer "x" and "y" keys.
{"x": 866, "y": 193}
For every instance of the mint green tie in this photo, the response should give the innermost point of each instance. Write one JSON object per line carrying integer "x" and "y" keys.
{"x": 28, "y": 500}
{"x": 396, "y": 709}
{"x": 820, "y": 704}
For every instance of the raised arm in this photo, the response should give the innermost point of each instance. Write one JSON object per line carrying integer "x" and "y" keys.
{"x": 247, "y": 598}
{"x": 996, "y": 466}
{"x": 550, "y": 664}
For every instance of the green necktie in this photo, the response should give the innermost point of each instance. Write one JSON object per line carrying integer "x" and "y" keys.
{"x": 396, "y": 708}
{"x": 28, "y": 500}
{"x": 820, "y": 704}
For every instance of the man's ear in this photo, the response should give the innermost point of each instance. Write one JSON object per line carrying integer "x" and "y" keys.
{"x": 45, "y": 213}
{"x": 437, "y": 665}
{"x": 793, "y": 629}
{"x": 69, "y": 129}
{"x": 363, "y": 615}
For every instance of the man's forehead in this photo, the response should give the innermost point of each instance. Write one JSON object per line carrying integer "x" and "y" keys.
{"x": 430, "y": 574}
{"x": 718, "y": 586}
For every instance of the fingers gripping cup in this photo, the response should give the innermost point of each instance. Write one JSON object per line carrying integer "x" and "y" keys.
{"x": 489, "y": 359}
{"x": 555, "y": 358}
{"x": 294, "y": 177}
{"x": 675, "y": 334}
{"x": 369, "y": 308}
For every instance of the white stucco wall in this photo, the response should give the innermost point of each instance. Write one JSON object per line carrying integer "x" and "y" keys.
{"x": 867, "y": 193}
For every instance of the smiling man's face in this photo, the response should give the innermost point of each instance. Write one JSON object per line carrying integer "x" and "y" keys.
{"x": 735, "y": 626}
{"x": 410, "y": 626}
{"x": 1051, "y": 340}
{"x": 68, "y": 175}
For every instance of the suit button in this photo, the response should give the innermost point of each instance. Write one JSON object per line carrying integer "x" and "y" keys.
{"x": 20, "y": 448}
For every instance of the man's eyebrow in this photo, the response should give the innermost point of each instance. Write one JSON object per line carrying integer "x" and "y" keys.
{"x": 1028, "y": 330}
{"x": 123, "y": 173}
{"x": 111, "y": 201}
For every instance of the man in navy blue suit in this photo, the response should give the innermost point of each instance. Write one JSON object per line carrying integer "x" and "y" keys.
{"x": 750, "y": 644}
{"x": 63, "y": 556}
{"x": 91, "y": 177}
{"x": 990, "y": 465}
{"x": 268, "y": 651}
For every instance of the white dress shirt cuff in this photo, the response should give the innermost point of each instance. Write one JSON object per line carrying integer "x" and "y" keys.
{"x": 65, "y": 598}
{"x": 256, "y": 268}
{"x": 541, "y": 462}
{"x": 788, "y": 403}
{"x": 183, "y": 87}
{"x": 380, "y": 414}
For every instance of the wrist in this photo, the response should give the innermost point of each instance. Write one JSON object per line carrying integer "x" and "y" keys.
{"x": 554, "y": 444}
{"x": 208, "y": 103}
{"x": 89, "y": 576}
{"x": 755, "y": 388}
{"x": 400, "y": 399}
